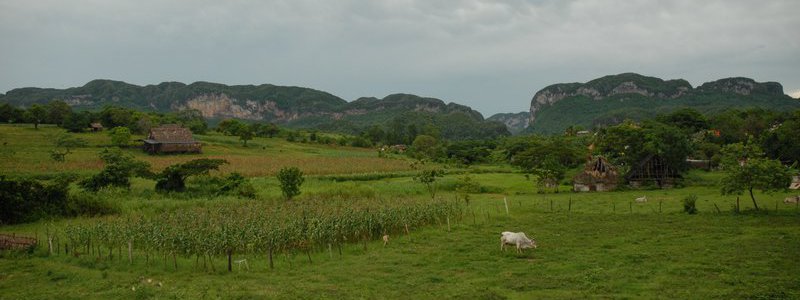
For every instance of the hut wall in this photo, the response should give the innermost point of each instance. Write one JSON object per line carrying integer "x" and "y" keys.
{"x": 579, "y": 187}
{"x": 169, "y": 148}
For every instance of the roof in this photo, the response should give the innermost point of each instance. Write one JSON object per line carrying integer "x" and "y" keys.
{"x": 170, "y": 134}
{"x": 96, "y": 125}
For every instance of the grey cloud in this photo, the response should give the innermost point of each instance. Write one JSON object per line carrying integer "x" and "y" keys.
{"x": 492, "y": 55}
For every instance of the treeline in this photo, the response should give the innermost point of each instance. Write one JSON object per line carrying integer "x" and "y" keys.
{"x": 59, "y": 113}
{"x": 403, "y": 128}
{"x": 672, "y": 138}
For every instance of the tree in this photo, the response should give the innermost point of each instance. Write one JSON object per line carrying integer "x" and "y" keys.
{"x": 687, "y": 119}
{"x": 36, "y": 115}
{"x": 118, "y": 170}
{"x": 112, "y": 116}
{"x": 192, "y": 119}
{"x": 291, "y": 178}
{"x": 426, "y": 146}
{"x": 268, "y": 130}
{"x": 229, "y": 126}
{"x": 628, "y": 144}
{"x": 245, "y": 134}
{"x": 57, "y": 112}
{"x": 7, "y": 113}
{"x": 781, "y": 142}
{"x": 63, "y": 145}
{"x": 120, "y": 136}
{"x": 77, "y": 122}
{"x": 173, "y": 178}
{"x": 549, "y": 158}
{"x": 427, "y": 176}
{"x": 747, "y": 169}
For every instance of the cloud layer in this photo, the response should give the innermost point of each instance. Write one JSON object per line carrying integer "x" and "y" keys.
{"x": 491, "y": 55}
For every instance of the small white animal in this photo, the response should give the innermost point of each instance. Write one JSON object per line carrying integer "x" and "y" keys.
{"x": 791, "y": 199}
{"x": 641, "y": 199}
{"x": 385, "y": 239}
{"x": 516, "y": 238}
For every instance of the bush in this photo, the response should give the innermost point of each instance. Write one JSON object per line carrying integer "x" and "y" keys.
{"x": 117, "y": 172}
{"x": 173, "y": 178}
{"x": 211, "y": 186}
{"x": 237, "y": 185}
{"x": 290, "y": 178}
{"x": 89, "y": 204}
{"x": 26, "y": 200}
{"x": 689, "y": 204}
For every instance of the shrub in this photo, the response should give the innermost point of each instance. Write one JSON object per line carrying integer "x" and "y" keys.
{"x": 689, "y": 204}
{"x": 28, "y": 200}
{"x": 290, "y": 178}
{"x": 236, "y": 184}
{"x": 89, "y": 204}
{"x": 117, "y": 172}
{"x": 173, "y": 178}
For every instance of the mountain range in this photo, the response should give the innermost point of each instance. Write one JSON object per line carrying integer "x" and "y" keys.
{"x": 614, "y": 98}
{"x": 606, "y": 100}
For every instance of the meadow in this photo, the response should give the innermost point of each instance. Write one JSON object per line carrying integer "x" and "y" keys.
{"x": 591, "y": 245}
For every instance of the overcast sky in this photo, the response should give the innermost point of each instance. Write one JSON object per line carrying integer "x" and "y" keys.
{"x": 491, "y": 55}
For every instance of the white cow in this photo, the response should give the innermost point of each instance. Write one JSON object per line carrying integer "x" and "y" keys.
{"x": 791, "y": 199}
{"x": 641, "y": 199}
{"x": 516, "y": 238}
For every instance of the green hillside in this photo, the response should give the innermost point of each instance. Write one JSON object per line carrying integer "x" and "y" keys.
{"x": 296, "y": 107}
{"x": 612, "y": 99}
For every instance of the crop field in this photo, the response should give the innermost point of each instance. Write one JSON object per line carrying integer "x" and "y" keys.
{"x": 327, "y": 242}
{"x": 24, "y": 150}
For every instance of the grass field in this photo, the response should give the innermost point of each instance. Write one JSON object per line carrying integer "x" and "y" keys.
{"x": 591, "y": 245}
{"x": 25, "y": 150}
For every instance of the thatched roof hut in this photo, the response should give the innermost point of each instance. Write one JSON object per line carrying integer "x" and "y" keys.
{"x": 171, "y": 138}
{"x": 598, "y": 175}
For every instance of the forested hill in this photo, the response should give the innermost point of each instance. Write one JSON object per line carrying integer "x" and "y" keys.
{"x": 290, "y": 106}
{"x": 614, "y": 98}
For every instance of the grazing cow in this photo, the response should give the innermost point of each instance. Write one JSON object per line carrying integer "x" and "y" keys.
{"x": 516, "y": 238}
{"x": 791, "y": 199}
{"x": 641, "y": 199}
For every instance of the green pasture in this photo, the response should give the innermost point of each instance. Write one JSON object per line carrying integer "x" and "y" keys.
{"x": 591, "y": 245}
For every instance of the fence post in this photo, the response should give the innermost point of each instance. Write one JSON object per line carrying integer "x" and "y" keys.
{"x": 569, "y": 208}
{"x": 505, "y": 201}
{"x": 659, "y": 205}
{"x": 737, "y": 204}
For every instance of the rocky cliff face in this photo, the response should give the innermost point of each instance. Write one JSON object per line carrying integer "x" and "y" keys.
{"x": 611, "y": 99}
{"x": 516, "y": 122}
{"x": 601, "y": 88}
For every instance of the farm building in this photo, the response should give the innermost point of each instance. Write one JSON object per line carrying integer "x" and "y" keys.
{"x": 171, "y": 138}
{"x": 96, "y": 127}
{"x": 598, "y": 175}
{"x": 653, "y": 170}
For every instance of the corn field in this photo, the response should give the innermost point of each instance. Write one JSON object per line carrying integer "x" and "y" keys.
{"x": 253, "y": 229}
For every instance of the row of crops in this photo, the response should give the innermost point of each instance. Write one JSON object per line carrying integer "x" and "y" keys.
{"x": 253, "y": 228}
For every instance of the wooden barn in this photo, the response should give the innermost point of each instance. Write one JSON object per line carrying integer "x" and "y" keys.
{"x": 598, "y": 175}
{"x": 653, "y": 170}
{"x": 171, "y": 138}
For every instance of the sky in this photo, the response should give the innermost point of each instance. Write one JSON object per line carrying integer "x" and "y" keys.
{"x": 490, "y": 55}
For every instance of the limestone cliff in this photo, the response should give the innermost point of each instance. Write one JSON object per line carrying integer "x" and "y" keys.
{"x": 601, "y": 88}
{"x": 515, "y": 122}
